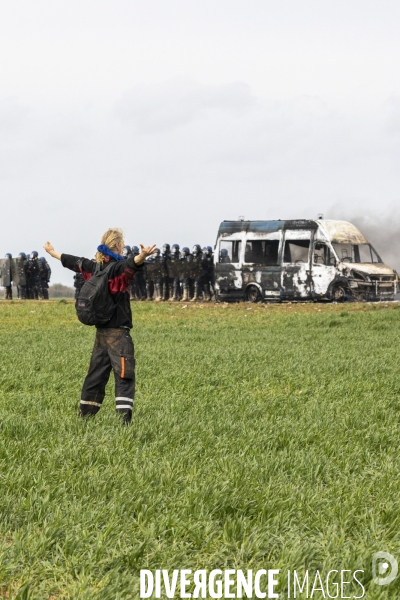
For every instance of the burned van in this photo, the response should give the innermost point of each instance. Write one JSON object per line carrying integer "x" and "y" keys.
{"x": 302, "y": 259}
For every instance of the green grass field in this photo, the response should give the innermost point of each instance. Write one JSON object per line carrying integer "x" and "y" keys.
{"x": 262, "y": 437}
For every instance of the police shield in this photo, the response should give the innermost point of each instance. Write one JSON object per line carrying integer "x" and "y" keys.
{"x": 18, "y": 271}
{"x": 5, "y": 270}
{"x": 196, "y": 268}
{"x": 173, "y": 268}
{"x": 183, "y": 268}
{"x": 155, "y": 269}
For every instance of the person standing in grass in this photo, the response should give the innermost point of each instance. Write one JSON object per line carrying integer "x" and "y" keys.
{"x": 113, "y": 347}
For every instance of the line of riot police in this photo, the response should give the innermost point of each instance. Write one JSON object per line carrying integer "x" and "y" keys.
{"x": 171, "y": 274}
{"x": 28, "y": 273}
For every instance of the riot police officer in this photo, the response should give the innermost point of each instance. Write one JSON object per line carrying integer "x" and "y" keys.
{"x": 150, "y": 279}
{"x": 34, "y": 271}
{"x": 174, "y": 285}
{"x": 45, "y": 274}
{"x": 224, "y": 256}
{"x": 165, "y": 257}
{"x": 138, "y": 287}
{"x": 29, "y": 283}
{"x": 21, "y": 289}
{"x": 196, "y": 281}
{"x": 127, "y": 252}
{"x": 8, "y": 288}
{"x": 186, "y": 259}
{"x": 159, "y": 277}
{"x": 208, "y": 277}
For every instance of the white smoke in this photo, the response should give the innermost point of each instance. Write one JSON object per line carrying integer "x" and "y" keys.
{"x": 382, "y": 229}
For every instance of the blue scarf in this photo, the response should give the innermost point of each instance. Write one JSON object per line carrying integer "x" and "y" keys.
{"x": 106, "y": 250}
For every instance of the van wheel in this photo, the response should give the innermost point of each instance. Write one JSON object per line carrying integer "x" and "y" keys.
{"x": 339, "y": 293}
{"x": 253, "y": 294}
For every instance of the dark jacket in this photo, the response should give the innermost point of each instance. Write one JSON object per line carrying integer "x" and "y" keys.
{"x": 120, "y": 277}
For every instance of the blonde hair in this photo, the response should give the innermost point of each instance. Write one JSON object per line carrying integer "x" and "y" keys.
{"x": 111, "y": 238}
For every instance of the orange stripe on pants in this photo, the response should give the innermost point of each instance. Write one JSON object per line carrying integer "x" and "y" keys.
{"x": 122, "y": 367}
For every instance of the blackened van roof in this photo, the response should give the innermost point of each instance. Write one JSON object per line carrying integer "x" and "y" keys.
{"x": 228, "y": 227}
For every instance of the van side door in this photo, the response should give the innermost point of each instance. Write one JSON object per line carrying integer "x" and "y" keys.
{"x": 228, "y": 268}
{"x": 296, "y": 272}
{"x": 323, "y": 267}
{"x": 262, "y": 265}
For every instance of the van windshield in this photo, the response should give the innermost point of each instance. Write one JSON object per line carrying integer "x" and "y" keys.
{"x": 356, "y": 253}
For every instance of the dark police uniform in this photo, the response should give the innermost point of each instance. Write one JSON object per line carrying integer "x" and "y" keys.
{"x": 186, "y": 259}
{"x": 8, "y": 288}
{"x": 208, "y": 277}
{"x": 45, "y": 274}
{"x": 34, "y": 277}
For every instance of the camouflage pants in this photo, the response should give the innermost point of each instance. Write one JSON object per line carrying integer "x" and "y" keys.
{"x": 113, "y": 350}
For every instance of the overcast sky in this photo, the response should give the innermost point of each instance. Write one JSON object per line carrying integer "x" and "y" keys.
{"x": 166, "y": 117}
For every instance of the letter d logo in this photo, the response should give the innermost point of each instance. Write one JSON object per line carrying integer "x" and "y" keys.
{"x": 381, "y": 561}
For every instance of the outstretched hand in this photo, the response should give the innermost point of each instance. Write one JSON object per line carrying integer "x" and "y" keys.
{"x": 50, "y": 250}
{"x": 49, "y": 247}
{"x": 147, "y": 250}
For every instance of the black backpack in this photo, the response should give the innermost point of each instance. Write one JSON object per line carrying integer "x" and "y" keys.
{"x": 95, "y": 305}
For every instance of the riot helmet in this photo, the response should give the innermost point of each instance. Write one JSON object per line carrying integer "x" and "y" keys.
{"x": 185, "y": 252}
{"x": 8, "y": 255}
{"x": 196, "y": 250}
{"x": 126, "y": 251}
{"x": 135, "y": 250}
{"x": 34, "y": 254}
{"x": 28, "y": 256}
{"x": 22, "y": 255}
{"x": 175, "y": 249}
{"x": 166, "y": 249}
{"x": 224, "y": 255}
{"x": 157, "y": 252}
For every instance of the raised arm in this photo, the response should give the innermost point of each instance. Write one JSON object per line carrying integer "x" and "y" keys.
{"x": 50, "y": 250}
{"x": 145, "y": 251}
